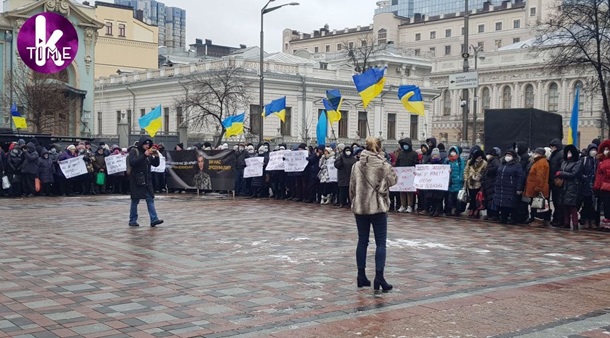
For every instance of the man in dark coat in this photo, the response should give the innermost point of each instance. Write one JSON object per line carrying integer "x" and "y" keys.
{"x": 46, "y": 172}
{"x": 140, "y": 180}
{"x": 522, "y": 209}
{"x": 240, "y": 166}
{"x": 488, "y": 183}
{"x": 313, "y": 168}
{"x": 509, "y": 185}
{"x": 406, "y": 158}
{"x": 344, "y": 166}
{"x": 29, "y": 169}
{"x": 555, "y": 162}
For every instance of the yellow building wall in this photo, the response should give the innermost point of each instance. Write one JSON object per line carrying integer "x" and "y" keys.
{"x": 137, "y": 50}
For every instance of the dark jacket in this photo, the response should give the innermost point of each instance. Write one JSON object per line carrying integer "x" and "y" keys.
{"x": 589, "y": 168}
{"x": 46, "y": 168}
{"x": 488, "y": 181}
{"x": 555, "y": 161}
{"x": 64, "y": 156}
{"x": 523, "y": 155}
{"x": 571, "y": 173}
{"x": 344, "y": 166}
{"x": 14, "y": 161}
{"x": 313, "y": 167}
{"x": 30, "y": 160}
{"x": 140, "y": 165}
{"x": 240, "y": 159}
{"x": 260, "y": 181}
{"x": 2, "y": 162}
{"x": 406, "y": 158}
{"x": 510, "y": 178}
{"x": 99, "y": 162}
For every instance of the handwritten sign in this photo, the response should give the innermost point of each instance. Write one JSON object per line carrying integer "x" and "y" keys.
{"x": 116, "y": 164}
{"x": 73, "y": 167}
{"x": 332, "y": 171}
{"x": 406, "y": 177}
{"x": 161, "y": 167}
{"x": 276, "y": 160}
{"x": 432, "y": 177}
{"x": 296, "y": 161}
{"x": 254, "y": 167}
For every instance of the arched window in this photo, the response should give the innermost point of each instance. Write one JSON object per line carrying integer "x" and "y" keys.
{"x": 382, "y": 36}
{"x": 581, "y": 99}
{"x": 506, "y": 97}
{"x": 447, "y": 103}
{"x": 553, "y": 99}
{"x": 529, "y": 96}
{"x": 485, "y": 99}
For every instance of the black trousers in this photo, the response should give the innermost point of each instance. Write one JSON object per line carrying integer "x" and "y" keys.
{"x": 28, "y": 184}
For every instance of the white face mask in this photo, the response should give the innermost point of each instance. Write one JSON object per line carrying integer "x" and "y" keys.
{"x": 593, "y": 153}
{"x": 569, "y": 156}
{"x": 508, "y": 158}
{"x": 453, "y": 153}
{"x": 489, "y": 157}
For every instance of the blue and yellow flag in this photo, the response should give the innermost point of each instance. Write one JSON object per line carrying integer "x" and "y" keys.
{"x": 234, "y": 125}
{"x": 18, "y": 120}
{"x": 573, "y": 130}
{"x": 322, "y": 129}
{"x": 277, "y": 107}
{"x": 151, "y": 122}
{"x": 369, "y": 84}
{"x": 333, "y": 105}
{"x": 411, "y": 98}
{"x": 333, "y": 115}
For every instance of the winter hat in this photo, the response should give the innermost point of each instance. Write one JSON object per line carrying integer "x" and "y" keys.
{"x": 511, "y": 152}
{"x": 321, "y": 147}
{"x": 441, "y": 146}
{"x": 302, "y": 146}
{"x": 340, "y": 146}
{"x": 282, "y": 148}
{"x": 102, "y": 144}
{"x": 71, "y": 147}
{"x": 540, "y": 151}
{"x": 596, "y": 141}
{"x": 21, "y": 142}
{"x": 250, "y": 148}
{"x": 435, "y": 152}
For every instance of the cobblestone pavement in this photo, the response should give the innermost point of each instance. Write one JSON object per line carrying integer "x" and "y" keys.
{"x": 220, "y": 267}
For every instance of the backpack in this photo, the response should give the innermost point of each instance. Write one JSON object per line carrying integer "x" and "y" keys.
{"x": 128, "y": 162}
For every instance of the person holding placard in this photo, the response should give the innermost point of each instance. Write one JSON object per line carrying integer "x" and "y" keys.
{"x": 406, "y": 158}
{"x": 372, "y": 176}
{"x": 141, "y": 158}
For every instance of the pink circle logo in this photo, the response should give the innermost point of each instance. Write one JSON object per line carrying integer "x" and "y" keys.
{"x": 47, "y": 43}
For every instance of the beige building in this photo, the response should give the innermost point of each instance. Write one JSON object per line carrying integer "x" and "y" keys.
{"x": 124, "y": 44}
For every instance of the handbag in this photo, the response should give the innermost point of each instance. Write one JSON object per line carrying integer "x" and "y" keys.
{"x": 539, "y": 202}
{"x": 463, "y": 196}
{"x": 558, "y": 182}
{"x": 37, "y": 184}
{"x": 6, "y": 183}
{"x": 100, "y": 179}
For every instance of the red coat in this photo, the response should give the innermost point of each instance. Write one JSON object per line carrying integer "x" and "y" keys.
{"x": 602, "y": 176}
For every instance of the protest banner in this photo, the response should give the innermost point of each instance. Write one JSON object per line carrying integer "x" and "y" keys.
{"x": 161, "y": 167}
{"x": 295, "y": 161}
{"x": 116, "y": 164}
{"x": 254, "y": 167}
{"x": 276, "y": 160}
{"x": 432, "y": 177}
{"x": 218, "y": 164}
{"x": 332, "y": 171}
{"x": 406, "y": 177}
{"x": 73, "y": 167}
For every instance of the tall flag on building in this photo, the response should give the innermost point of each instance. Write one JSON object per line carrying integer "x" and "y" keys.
{"x": 369, "y": 84}
{"x": 151, "y": 122}
{"x": 18, "y": 120}
{"x": 410, "y": 96}
{"x": 322, "y": 129}
{"x": 332, "y": 104}
{"x": 277, "y": 107}
{"x": 573, "y": 130}
{"x": 234, "y": 125}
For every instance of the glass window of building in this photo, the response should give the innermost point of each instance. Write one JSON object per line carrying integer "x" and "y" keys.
{"x": 414, "y": 126}
{"x": 362, "y": 124}
{"x": 529, "y": 96}
{"x": 462, "y": 31}
{"x": 179, "y": 116}
{"x": 108, "y": 28}
{"x": 286, "y": 129}
{"x": 122, "y": 30}
{"x": 99, "y": 122}
{"x": 433, "y": 51}
{"x": 382, "y": 36}
{"x": 481, "y": 28}
{"x": 339, "y": 47}
{"x": 481, "y": 46}
{"x": 498, "y": 43}
{"x": 316, "y": 49}
{"x": 417, "y": 52}
{"x": 506, "y": 97}
{"x": 343, "y": 123}
{"x": 485, "y": 98}
{"x": 515, "y": 40}
{"x": 417, "y": 36}
{"x": 553, "y": 100}
{"x": 166, "y": 120}
{"x": 432, "y": 35}
{"x": 255, "y": 123}
{"x": 517, "y": 24}
{"x": 447, "y": 33}
{"x": 498, "y": 26}
{"x": 533, "y": 11}
{"x": 327, "y": 48}
{"x": 363, "y": 43}
{"x": 446, "y": 103}
{"x": 581, "y": 101}
{"x": 391, "y": 128}
{"x": 447, "y": 50}
{"x": 350, "y": 45}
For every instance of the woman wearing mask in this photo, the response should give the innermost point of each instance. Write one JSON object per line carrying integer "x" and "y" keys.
{"x": 344, "y": 166}
{"x": 372, "y": 176}
{"x": 489, "y": 183}
{"x": 589, "y": 214}
{"x": 472, "y": 180}
{"x": 571, "y": 174}
{"x": 509, "y": 186}
{"x": 602, "y": 183}
{"x": 406, "y": 158}
{"x": 456, "y": 181}
{"x": 537, "y": 181}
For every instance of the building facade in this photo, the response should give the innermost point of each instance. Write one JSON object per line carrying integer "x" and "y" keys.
{"x": 410, "y": 8}
{"x": 125, "y": 44}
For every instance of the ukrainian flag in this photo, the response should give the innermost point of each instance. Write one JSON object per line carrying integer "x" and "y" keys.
{"x": 151, "y": 122}
{"x": 234, "y": 125}
{"x": 369, "y": 84}
{"x": 411, "y": 98}
{"x": 573, "y": 130}
{"x": 333, "y": 105}
{"x": 277, "y": 107}
{"x": 18, "y": 120}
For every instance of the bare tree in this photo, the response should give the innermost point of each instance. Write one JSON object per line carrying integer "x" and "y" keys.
{"x": 360, "y": 52}
{"x": 215, "y": 95}
{"x": 577, "y": 35}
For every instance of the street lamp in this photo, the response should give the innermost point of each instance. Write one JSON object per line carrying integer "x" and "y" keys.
{"x": 465, "y": 56}
{"x": 8, "y": 37}
{"x": 264, "y": 11}
{"x": 478, "y": 54}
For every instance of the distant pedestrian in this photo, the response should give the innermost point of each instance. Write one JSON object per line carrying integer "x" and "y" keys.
{"x": 141, "y": 158}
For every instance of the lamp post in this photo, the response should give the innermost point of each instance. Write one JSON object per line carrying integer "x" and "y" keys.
{"x": 477, "y": 55}
{"x": 8, "y": 37}
{"x": 264, "y": 11}
{"x": 465, "y": 56}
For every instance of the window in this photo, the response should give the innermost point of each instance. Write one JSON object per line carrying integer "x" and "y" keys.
{"x": 498, "y": 26}
{"x": 363, "y": 43}
{"x": 506, "y": 97}
{"x": 432, "y": 35}
{"x": 343, "y": 123}
{"x": 118, "y": 116}
{"x": 166, "y": 120}
{"x": 285, "y": 46}
{"x": 129, "y": 118}
{"x": 533, "y": 11}
{"x": 179, "y": 117}
{"x": 255, "y": 123}
{"x": 327, "y": 48}
{"x": 447, "y": 103}
{"x": 581, "y": 101}
{"x": 324, "y": 65}
{"x": 414, "y": 127}
{"x": 515, "y": 40}
{"x": 351, "y": 45}
{"x": 462, "y": 31}
{"x": 553, "y": 100}
{"x": 447, "y": 50}
{"x": 486, "y": 99}
{"x": 433, "y": 51}
{"x": 417, "y": 52}
{"x": 498, "y": 43}
{"x": 108, "y": 28}
{"x": 447, "y": 33}
{"x": 362, "y": 124}
{"x": 122, "y": 30}
{"x": 481, "y": 28}
{"x": 339, "y": 47}
{"x": 316, "y": 50}
{"x": 417, "y": 36}
{"x": 517, "y": 24}
{"x": 99, "y": 123}
{"x": 142, "y": 113}
{"x": 391, "y": 132}
{"x": 481, "y": 46}
{"x": 529, "y": 96}
{"x": 286, "y": 127}
{"x": 382, "y": 36}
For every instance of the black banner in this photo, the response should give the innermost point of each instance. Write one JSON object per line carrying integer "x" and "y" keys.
{"x": 182, "y": 168}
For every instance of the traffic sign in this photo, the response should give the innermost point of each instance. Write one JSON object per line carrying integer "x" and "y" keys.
{"x": 464, "y": 80}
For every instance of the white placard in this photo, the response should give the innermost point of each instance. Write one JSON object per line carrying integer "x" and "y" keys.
{"x": 254, "y": 167}
{"x": 116, "y": 164}
{"x": 73, "y": 167}
{"x": 276, "y": 160}
{"x": 332, "y": 171}
{"x": 406, "y": 177}
{"x": 296, "y": 161}
{"x": 161, "y": 167}
{"x": 432, "y": 177}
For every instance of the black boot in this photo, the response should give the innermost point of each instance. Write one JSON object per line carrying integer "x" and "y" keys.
{"x": 362, "y": 280}
{"x": 380, "y": 281}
